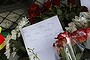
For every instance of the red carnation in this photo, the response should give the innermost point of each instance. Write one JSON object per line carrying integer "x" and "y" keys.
{"x": 60, "y": 40}
{"x": 81, "y": 35}
{"x": 47, "y": 5}
{"x": 60, "y": 36}
{"x": 1, "y": 39}
{"x": 69, "y": 35}
{"x": 56, "y": 3}
{"x": 71, "y": 2}
{"x": 60, "y": 44}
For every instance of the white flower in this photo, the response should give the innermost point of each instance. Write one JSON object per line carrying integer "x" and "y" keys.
{"x": 13, "y": 36}
{"x": 13, "y": 53}
{"x": 71, "y": 28}
{"x": 23, "y": 22}
{"x": 80, "y": 21}
{"x": 17, "y": 28}
{"x": 14, "y": 48}
{"x": 85, "y": 14}
{"x": 7, "y": 39}
{"x": 7, "y": 53}
{"x": 14, "y": 33}
{"x": 18, "y": 34}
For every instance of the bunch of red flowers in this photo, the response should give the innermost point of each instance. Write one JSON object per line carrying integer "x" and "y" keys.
{"x": 52, "y": 7}
{"x": 81, "y": 36}
{"x": 35, "y": 10}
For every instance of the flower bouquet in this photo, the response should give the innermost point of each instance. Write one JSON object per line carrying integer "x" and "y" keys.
{"x": 11, "y": 44}
{"x": 72, "y": 44}
{"x": 65, "y": 11}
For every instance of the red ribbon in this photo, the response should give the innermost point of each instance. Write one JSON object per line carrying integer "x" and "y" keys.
{"x": 1, "y": 39}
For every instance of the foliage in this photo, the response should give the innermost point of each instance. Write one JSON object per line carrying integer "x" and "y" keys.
{"x": 65, "y": 11}
{"x": 35, "y": 57}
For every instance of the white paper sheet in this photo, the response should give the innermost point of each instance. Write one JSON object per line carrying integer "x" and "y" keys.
{"x": 40, "y": 36}
{"x": 85, "y": 3}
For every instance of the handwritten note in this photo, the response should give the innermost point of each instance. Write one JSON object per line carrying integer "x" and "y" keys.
{"x": 40, "y": 36}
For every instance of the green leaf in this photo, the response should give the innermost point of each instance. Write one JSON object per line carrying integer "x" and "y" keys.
{"x": 78, "y": 56}
{"x": 59, "y": 12}
{"x": 63, "y": 54}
